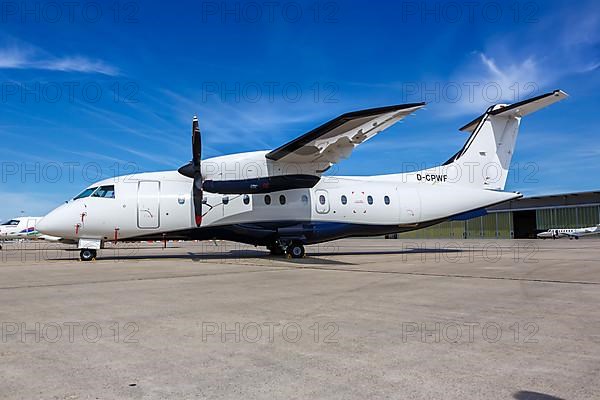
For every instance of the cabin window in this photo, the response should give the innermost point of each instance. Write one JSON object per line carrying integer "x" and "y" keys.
{"x": 225, "y": 200}
{"x": 282, "y": 199}
{"x": 267, "y": 199}
{"x": 246, "y": 199}
{"x": 370, "y": 200}
{"x": 86, "y": 193}
{"x": 304, "y": 199}
{"x": 386, "y": 200}
{"x": 322, "y": 200}
{"x": 108, "y": 192}
{"x": 344, "y": 200}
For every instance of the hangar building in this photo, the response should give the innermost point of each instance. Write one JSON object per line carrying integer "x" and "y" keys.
{"x": 521, "y": 219}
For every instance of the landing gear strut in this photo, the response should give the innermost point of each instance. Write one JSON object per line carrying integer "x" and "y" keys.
{"x": 276, "y": 249}
{"x": 295, "y": 250}
{"x": 87, "y": 254}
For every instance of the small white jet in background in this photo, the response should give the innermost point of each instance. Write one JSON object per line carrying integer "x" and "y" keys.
{"x": 574, "y": 233}
{"x": 23, "y": 228}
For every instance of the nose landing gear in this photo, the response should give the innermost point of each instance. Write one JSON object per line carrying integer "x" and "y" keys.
{"x": 87, "y": 254}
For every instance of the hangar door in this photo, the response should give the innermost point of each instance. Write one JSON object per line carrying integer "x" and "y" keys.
{"x": 524, "y": 224}
{"x": 148, "y": 205}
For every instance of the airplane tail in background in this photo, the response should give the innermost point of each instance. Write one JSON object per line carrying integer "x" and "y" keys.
{"x": 485, "y": 158}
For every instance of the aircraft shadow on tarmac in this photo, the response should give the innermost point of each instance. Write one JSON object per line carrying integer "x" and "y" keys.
{"x": 386, "y": 252}
{"x": 527, "y": 395}
{"x": 227, "y": 256}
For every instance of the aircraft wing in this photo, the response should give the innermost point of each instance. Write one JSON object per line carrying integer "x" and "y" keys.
{"x": 572, "y": 234}
{"x": 335, "y": 140}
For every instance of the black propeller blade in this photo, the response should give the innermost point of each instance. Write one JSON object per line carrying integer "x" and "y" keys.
{"x": 196, "y": 157}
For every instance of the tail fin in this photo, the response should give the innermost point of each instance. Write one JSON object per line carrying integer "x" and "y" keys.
{"x": 485, "y": 158}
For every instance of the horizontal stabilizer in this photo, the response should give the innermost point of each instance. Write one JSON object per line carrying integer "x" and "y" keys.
{"x": 520, "y": 109}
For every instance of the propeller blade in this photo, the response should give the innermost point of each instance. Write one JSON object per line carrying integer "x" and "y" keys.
{"x": 196, "y": 163}
{"x": 196, "y": 143}
{"x": 197, "y": 199}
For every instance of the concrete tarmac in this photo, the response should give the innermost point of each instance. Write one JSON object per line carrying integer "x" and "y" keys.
{"x": 355, "y": 319}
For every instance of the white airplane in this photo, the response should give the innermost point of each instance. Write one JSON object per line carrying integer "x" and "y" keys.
{"x": 22, "y": 228}
{"x": 574, "y": 233}
{"x": 280, "y": 198}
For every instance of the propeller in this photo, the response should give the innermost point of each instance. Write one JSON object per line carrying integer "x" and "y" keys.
{"x": 197, "y": 171}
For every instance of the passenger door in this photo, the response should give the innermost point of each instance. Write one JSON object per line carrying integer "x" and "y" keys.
{"x": 148, "y": 205}
{"x": 410, "y": 206}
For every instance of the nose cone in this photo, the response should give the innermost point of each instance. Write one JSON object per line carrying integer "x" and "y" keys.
{"x": 53, "y": 224}
{"x": 46, "y": 226}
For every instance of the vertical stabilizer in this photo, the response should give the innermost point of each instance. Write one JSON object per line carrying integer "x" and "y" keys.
{"x": 485, "y": 158}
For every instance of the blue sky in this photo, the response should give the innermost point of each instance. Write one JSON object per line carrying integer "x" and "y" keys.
{"x": 96, "y": 88}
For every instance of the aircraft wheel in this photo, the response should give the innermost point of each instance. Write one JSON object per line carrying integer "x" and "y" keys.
{"x": 296, "y": 250}
{"x": 87, "y": 255}
{"x": 576, "y": 238}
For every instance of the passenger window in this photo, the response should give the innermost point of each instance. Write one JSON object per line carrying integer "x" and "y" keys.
{"x": 282, "y": 199}
{"x": 107, "y": 192}
{"x": 225, "y": 200}
{"x": 246, "y": 199}
{"x": 267, "y": 199}
{"x": 370, "y": 200}
{"x": 344, "y": 200}
{"x": 86, "y": 193}
{"x": 322, "y": 199}
{"x": 386, "y": 200}
{"x": 304, "y": 199}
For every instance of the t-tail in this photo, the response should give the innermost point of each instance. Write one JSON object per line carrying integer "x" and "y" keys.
{"x": 484, "y": 160}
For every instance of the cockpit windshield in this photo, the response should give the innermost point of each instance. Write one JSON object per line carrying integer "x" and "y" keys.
{"x": 12, "y": 222}
{"x": 108, "y": 192}
{"x": 86, "y": 193}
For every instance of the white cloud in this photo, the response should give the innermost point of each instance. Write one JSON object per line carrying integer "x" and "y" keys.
{"x": 14, "y": 57}
{"x": 488, "y": 81}
{"x": 531, "y": 61}
{"x": 24, "y": 56}
{"x": 78, "y": 64}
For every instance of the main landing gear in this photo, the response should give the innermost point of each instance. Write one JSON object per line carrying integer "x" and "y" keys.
{"x": 293, "y": 249}
{"x": 87, "y": 254}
